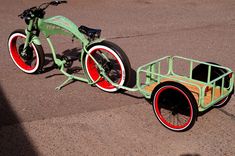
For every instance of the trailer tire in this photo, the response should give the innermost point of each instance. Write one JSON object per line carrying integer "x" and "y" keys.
{"x": 174, "y": 106}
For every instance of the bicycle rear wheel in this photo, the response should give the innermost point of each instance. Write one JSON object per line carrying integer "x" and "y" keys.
{"x": 113, "y": 60}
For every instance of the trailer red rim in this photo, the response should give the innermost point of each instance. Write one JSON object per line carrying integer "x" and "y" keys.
{"x": 175, "y": 123}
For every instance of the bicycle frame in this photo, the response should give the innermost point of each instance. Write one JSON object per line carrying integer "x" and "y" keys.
{"x": 59, "y": 25}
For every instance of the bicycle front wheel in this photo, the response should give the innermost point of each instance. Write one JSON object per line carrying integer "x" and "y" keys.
{"x": 31, "y": 61}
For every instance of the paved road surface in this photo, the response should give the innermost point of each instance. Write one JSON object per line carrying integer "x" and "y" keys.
{"x": 82, "y": 120}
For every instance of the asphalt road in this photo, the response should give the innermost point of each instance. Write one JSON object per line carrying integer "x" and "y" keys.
{"x": 83, "y": 120}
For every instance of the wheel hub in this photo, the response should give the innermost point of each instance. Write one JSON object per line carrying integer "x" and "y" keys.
{"x": 174, "y": 109}
{"x": 107, "y": 66}
{"x": 27, "y": 54}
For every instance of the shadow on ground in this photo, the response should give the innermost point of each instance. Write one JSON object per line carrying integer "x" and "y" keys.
{"x": 70, "y": 55}
{"x": 13, "y": 138}
{"x": 190, "y": 155}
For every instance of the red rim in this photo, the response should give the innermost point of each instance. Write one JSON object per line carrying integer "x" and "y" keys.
{"x": 19, "y": 61}
{"x": 94, "y": 71}
{"x": 176, "y": 117}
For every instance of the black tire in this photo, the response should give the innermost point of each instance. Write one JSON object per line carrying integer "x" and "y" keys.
{"x": 118, "y": 64}
{"x": 33, "y": 61}
{"x": 174, "y": 106}
{"x": 200, "y": 72}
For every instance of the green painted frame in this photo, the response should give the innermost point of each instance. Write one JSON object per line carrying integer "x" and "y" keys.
{"x": 59, "y": 25}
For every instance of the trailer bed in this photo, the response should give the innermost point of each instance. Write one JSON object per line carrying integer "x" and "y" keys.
{"x": 194, "y": 89}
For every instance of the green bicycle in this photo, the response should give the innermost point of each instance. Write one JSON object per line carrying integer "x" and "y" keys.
{"x": 104, "y": 62}
{"x": 177, "y": 97}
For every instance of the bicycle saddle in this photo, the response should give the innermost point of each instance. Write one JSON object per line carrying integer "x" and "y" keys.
{"x": 90, "y": 32}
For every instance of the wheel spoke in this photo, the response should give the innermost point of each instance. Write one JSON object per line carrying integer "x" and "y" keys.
{"x": 169, "y": 117}
{"x": 165, "y": 112}
{"x": 178, "y": 119}
{"x": 184, "y": 117}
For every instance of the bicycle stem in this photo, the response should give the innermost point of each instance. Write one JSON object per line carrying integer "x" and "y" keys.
{"x": 28, "y": 35}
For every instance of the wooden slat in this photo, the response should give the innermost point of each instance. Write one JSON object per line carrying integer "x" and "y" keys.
{"x": 192, "y": 88}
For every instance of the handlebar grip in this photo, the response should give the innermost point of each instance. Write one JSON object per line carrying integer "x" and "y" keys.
{"x": 57, "y": 2}
{"x": 63, "y": 1}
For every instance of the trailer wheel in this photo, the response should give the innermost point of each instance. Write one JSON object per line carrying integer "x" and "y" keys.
{"x": 174, "y": 106}
{"x": 200, "y": 72}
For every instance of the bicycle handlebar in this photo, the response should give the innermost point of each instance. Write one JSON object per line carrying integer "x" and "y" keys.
{"x": 39, "y": 11}
{"x": 57, "y": 2}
